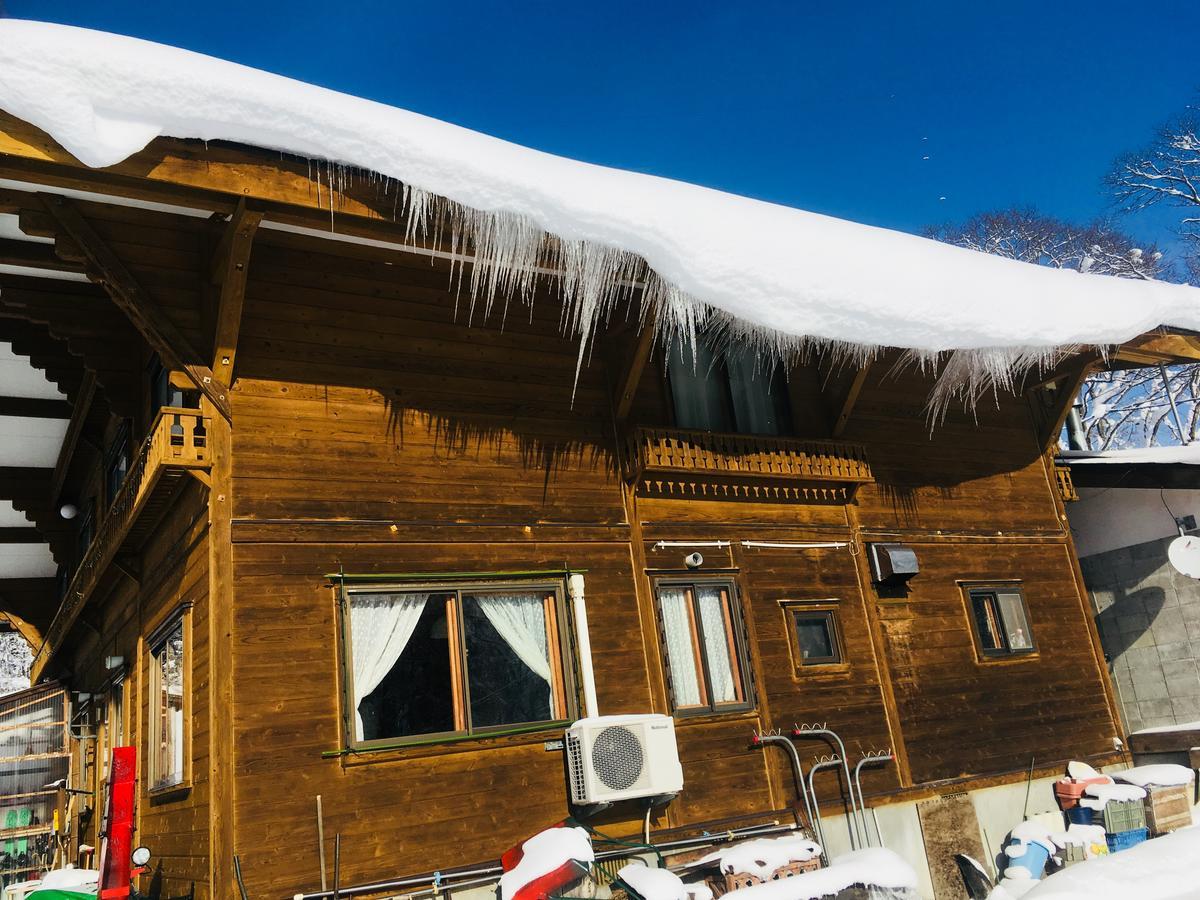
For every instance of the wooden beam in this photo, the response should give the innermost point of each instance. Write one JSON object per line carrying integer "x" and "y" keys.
{"x": 159, "y": 331}
{"x": 630, "y": 375}
{"x": 23, "y": 482}
{"x": 34, "y": 407}
{"x": 79, "y": 416}
{"x": 34, "y": 255}
{"x": 1066, "y": 389}
{"x": 19, "y": 535}
{"x": 845, "y": 408}
{"x": 229, "y": 270}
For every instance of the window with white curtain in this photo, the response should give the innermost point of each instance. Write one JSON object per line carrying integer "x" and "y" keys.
{"x": 453, "y": 660}
{"x": 733, "y": 391}
{"x": 169, "y": 680}
{"x": 1001, "y": 620}
{"x": 703, "y": 646}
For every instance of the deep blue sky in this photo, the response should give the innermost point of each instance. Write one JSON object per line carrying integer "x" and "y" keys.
{"x": 829, "y": 109}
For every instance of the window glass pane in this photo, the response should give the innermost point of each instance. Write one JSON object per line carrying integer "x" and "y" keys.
{"x": 681, "y": 646}
{"x": 698, "y": 389}
{"x": 118, "y": 468}
{"x": 401, "y": 649}
{"x": 719, "y": 650}
{"x": 814, "y": 638}
{"x": 1016, "y": 629}
{"x": 760, "y": 402}
{"x": 508, "y": 659}
{"x": 170, "y": 708}
{"x": 987, "y": 621}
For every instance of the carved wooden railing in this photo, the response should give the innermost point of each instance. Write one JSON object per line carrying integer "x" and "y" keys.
{"x": 1066, "y": 487}
{"x": 702, "y": 456}
{"x": 177, "y": 443}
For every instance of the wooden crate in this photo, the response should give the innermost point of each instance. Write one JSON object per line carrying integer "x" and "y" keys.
{"x": 733, "y": 881}
{"x": 1168, "y": 808}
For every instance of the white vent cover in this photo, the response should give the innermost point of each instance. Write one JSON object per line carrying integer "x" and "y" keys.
{"x": 612, "y": 758}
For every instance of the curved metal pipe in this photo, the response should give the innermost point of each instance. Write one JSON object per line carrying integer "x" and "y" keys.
{"x": 816, "y": 767}
{"x": 807, "y": 731}
{"x": 862, "y": 805}
{"x": 798, "y": 773}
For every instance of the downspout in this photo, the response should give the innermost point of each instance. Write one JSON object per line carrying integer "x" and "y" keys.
{"x": 575, "y": 590}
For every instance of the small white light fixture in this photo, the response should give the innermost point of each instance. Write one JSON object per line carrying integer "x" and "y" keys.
{"x": 113, "y": 662}
{"x": 141, "y": 856}
{"x": 68, "y": 511}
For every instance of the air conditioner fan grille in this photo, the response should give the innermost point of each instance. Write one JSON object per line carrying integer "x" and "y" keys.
{"x": 617, "y": 758}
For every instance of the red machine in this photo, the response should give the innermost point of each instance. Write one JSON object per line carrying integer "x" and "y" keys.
{"x": 117, "y": 826}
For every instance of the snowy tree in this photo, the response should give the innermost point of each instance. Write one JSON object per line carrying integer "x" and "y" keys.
{"x": 1120, "y": 408}
{"x": 15, "y": 660}
{"x": 1166, "y": 173}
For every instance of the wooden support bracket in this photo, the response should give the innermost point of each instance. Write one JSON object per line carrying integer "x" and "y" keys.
{"x": 228, "y": 271}
{"x": 844, "y": 409}
{"x": 630, "y": 375}
{"x": 154, "y": 325}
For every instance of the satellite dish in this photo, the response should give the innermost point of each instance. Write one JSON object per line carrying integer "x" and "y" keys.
{"x": 1184, "y": 555}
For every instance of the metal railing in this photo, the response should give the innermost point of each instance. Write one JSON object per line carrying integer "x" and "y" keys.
{"x": 178, "y": 439}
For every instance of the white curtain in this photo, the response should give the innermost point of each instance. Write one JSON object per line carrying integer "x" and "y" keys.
{"x": 520, "y": 619}
{"x": 716, "y": 643}
{"x": 682, "y": 660}
{"x": 1012, "y": 614}
{"x": 381, "y": 626}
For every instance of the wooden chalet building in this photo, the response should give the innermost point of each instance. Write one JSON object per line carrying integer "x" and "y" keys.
{"x": 325, "y": 526}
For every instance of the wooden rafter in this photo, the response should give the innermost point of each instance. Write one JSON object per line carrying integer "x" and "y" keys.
{"x": 845, "y": 406}
{"x": 630, "y": 374}
{"x": 34, "y": 407}
{"x": 228, "y": 272}
{"x": 66, "y": 452}
{"x": 34, "y": 254}
{"x": 159, "y": 331}
{"x": 21, "y": 535}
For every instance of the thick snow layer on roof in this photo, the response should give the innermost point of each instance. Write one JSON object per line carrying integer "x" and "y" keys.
{"x": 1188, "y": 454}
{"x": 776, "y": 274}
{"x": 1161, "y": 869}
{"x": 876, "y": 868}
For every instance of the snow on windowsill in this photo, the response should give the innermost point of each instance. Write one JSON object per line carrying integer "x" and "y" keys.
{"x": 778, "y": 277}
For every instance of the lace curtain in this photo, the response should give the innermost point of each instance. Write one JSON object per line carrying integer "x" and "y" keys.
{"x": 717, "y": 651}
{"x": 680, "y": 657}
{"x": 381, "y": 625}
{"x": 520, "y": 619}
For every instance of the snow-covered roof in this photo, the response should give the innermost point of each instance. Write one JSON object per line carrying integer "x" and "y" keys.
{"x": 1188, "y": 454}
{"x": 780, "y": 276}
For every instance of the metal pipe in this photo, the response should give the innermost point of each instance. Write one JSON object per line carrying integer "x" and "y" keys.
{"x": 796, "y": 545}
{"x": 798, "y": 774}
{"x": 660, "y": 545}
{"x": 814, "y": 731}
{"x": 872, "y": 757}
{"x": 337, "y": 864}
{"x": 817, "y": 766}
{"x": 1166, "y": 380}
{"x": 493, "y": 870}
{"x": 575, "y": 588}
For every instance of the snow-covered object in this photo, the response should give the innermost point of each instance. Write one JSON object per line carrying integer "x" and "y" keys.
{"x": 1030, "y": 832}
{"x": 1099, "y": 796}
{"x": 544, "y": 853}
{"x": 1187, "y": 454}
{"x": 777, "y": 276}
{"x": 1081, "y": 771}
{"x": 1158, "y": 775}
{"x": 1161, "y": 869}
{"x": 70, "y": 878}
{"x": 662, "y": 884}
{"x": 762, "y": 856}
{"x": 1081, "y": 835}
{"x": 881, "y": 870}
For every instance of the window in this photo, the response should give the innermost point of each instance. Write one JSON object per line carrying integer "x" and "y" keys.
{"x": 816, "y": 636}
{"x": 117, "y": 466}
{"x": 448, "y": 661}
{"x": 168, "y": 704}
{"x": 728, "y": 393}
{"x": 705, "y": 653}
{"x": 1001, "y": 620}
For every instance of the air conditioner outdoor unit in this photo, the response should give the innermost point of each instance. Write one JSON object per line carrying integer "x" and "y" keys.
{"x": 611, "y": 758}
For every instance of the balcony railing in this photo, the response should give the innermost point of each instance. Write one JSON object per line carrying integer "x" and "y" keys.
{"x": 176, "y": 446}
{"x": 732, "y": 464}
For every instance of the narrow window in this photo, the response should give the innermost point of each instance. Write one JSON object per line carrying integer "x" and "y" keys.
{"x": 454, "y": 661}
{"x": 699, "y": 388}
{"x": 117, "y": 466}
{"x": 168, "y": 732}
{"x": 816, "y": 637}
{"x": 704, "y": 650}
{"x": 1001, "y": 620}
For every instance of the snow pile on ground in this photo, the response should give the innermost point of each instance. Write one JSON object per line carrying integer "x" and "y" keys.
{"x": 1188, "y": 454}
{"x": 1161, "y": 869}
{"x": 661, "y": 884}
{"x": 881, "y": 870}
{"x": 778, "y": 276}
{"x": 1100, "y": 795}
{"x": 762, "y": 856}
{"x": 545, "y": 852}
{"x": 1160, "y": 775}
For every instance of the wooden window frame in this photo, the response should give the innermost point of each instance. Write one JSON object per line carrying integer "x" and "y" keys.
{"x": 154, "y": 644}
{"x": 827, "y": 611}
{"x": 560, "y": 642}
{"x": 994, "y": 588}
{"x": 735, "y": 627}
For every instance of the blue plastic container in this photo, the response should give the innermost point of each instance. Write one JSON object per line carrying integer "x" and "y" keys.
{"x": 1033, "y": 860}
{"x": 1123, "y": 840}
{"x": 1080, "y": 815}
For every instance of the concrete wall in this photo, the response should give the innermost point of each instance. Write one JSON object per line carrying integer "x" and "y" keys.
{"x": 1105, "y": 519}
{"x": 1149, "y": 618}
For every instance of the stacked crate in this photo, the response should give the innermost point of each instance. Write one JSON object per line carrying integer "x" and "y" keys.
{"x": 1121, "y": 809}
{"x": 1168, "y": 808}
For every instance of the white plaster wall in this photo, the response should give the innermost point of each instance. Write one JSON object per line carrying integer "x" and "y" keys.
{"x": 1104, "y": 519}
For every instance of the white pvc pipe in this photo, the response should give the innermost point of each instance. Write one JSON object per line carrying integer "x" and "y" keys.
{"x": 575, "y": 590}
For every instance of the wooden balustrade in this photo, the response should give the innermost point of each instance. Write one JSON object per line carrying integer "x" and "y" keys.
{"x": 176, "y": 446}
{"x": 1066, "y": 486}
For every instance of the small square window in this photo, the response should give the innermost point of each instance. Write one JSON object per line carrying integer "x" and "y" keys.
{"x": 816, "y": 637}
{"x": 1001, "y": 620}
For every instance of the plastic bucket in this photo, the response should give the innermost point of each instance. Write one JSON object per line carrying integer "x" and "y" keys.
{"x": 1033, "y": 860}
